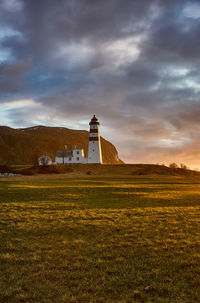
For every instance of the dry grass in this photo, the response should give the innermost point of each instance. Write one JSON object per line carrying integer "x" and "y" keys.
{"x": 91, "y": 170}
{"x": 100, "y": 240}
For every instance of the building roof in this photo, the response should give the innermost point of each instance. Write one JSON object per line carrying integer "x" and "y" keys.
{"x": 64, "y": 154}
{"x": 44, "y": 157}
{"x": 94, "y": 121}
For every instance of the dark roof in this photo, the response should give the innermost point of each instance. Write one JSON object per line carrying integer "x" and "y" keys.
{"x": 94, "y": 121}
{"x": 45, "y": 157}
{"x": 64, "y": 153}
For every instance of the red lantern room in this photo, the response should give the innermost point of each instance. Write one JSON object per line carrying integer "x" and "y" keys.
{"x": 94, "y": 121}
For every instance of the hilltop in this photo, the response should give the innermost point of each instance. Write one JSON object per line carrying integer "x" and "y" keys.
{"x": 97, "y": 170}
{"x": 25, "y": 145}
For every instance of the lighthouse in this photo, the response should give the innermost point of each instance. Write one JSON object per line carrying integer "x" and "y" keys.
{"x": 94, "y": 144}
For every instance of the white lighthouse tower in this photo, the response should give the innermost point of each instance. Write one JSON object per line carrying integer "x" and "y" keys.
{"x": 94, "y": 144}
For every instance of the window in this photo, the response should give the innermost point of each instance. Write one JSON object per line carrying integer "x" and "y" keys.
{"x": 77, "y": 158}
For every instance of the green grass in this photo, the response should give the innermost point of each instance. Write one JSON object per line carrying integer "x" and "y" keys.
{"x": 100, "y": 240}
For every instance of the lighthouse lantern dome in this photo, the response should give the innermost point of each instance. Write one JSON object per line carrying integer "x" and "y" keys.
{"x": 94, "y": 121}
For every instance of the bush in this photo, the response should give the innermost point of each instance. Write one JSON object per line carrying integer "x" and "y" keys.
{"x": 28, "y": 172}
{"x": 173, "y": 165}
{"x": 183, "y": 166}
{"x": 68, "y": 170}
{"x": 4, "y": 169}
{"x": 48, "y": 169}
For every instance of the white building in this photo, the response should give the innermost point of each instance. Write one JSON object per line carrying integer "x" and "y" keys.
{"x": 70, "y": 156}
{"x": 77, "y": 154}
{"x": 44, "y": 160}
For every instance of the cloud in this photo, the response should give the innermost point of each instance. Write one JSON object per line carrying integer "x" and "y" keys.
{"x": 133, "y": 63}
{"x": 12, "y": 76}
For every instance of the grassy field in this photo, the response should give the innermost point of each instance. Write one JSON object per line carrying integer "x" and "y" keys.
{"x": 133, "y": 239}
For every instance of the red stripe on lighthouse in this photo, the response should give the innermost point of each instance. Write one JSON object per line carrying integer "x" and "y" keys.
{"x": 94, "y": 123}
{"x": 93, "y": 139}
{"x": 93, "y": 130}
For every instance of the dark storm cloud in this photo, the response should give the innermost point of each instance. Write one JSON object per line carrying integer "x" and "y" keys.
{"x": 173, "y": 40}
{"x": 11, "y": 76}
{"x": 47, "y": 24}
{"x": 133, "y": 63}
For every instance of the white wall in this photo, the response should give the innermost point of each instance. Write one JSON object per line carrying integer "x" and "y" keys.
{"x": 78, "y": 157}
{"x": 44, "y": 160}
{"x": 94, "y": 152}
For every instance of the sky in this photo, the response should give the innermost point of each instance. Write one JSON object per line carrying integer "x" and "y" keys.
{"x": 133, "y": 63}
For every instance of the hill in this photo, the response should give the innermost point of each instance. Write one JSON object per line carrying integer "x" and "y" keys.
{"x": 25, "y": 145}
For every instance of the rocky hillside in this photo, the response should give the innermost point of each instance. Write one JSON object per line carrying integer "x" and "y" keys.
{"x": 24, "y": 146}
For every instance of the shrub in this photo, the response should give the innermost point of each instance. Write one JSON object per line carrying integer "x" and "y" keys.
{"x": 68, "y": 170}
{"x": 4, "y": 169}
{"x": 48, "y": 169}
{"x": 29, "y": 171}
{"x": 183, "y": 166}
{"x": 173, "y": 165}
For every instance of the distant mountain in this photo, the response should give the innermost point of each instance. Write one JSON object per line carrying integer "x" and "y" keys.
{"x": 25, "y": 145}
